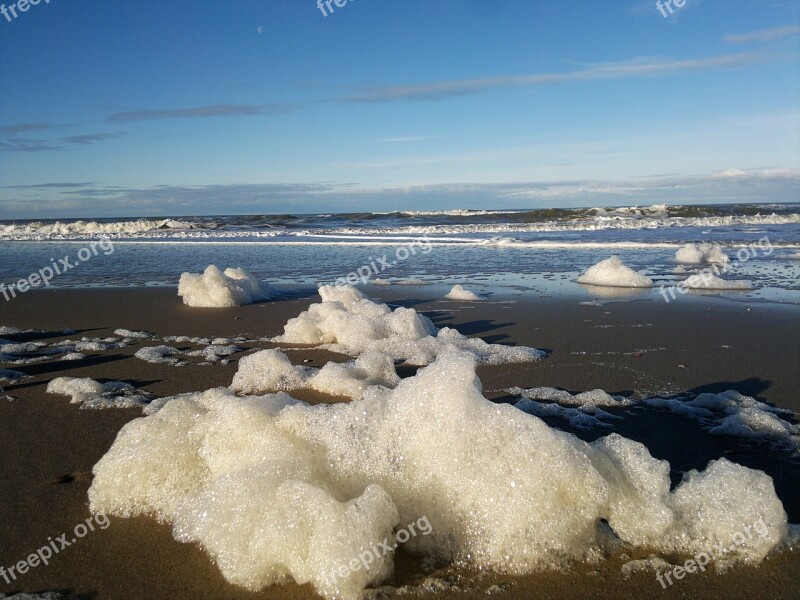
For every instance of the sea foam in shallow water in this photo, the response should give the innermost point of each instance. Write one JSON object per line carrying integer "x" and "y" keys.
{"x": 347, "y": 321}
{"x": 217, "y": 289}
{"x": 459, "y": 292}
{"x": 612, "y": 272}
{"x": 709, "y": 281}
{"x": 701, "y": 253}
{"x": 275, "y": 489}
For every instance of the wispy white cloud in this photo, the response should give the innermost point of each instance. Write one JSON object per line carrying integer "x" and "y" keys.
{"x": 763, "y": 35}
{"x": 10, "y": 130}
{"x": 11, "y": 141}
{"x": 199, "y": 112}
{"x": 54, "y": 185}
{"x": 637, "y": 67}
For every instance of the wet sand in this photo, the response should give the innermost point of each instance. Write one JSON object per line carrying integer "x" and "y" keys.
{"x": 48, "y": 446}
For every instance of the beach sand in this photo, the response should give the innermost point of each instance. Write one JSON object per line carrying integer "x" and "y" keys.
{"x": 647, "y": 347}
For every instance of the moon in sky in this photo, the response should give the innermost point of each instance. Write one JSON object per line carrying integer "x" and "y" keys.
{"x": 260, "y": 28}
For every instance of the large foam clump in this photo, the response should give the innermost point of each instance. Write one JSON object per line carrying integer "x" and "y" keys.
{"x": 271, "y": 371}
{"x": 217, "y": 289}
{"x": 276, "y": 489}
{"x": 701, "y": 253}
{"x": 612, "y": 272}
{"x": 347, "y": 321}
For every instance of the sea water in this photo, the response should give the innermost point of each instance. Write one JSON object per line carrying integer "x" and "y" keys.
{"x": 542, "y": 251}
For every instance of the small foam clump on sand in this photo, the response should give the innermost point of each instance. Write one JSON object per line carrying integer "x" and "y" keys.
{"x": 132, "y": 335}
{"x": 734, "y": 414}
{"x": 582, "y": 410}
{"x": 159, "y": 355}
{"x": 612, "y": 272}
{"x": 273, "y": 488}
{"x": 217, "y": 289}
{"x": 91, "y": 394}
{"x": 216, "y": 353}
{"x": 709, "y": 281}
{"x": 583, "y": 399}
{"x": 694, "y": 254}
{"x": 271, "y": 371}
{"x": 459, "y": 292}
{"x": 347, "y": 321}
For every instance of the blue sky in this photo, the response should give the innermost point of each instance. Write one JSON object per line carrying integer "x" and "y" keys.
{"x": 121, "y": 108}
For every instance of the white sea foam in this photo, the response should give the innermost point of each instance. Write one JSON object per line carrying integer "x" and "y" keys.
{"x": 273, "y": 488}
{"x": 709, "y": 281}
{"x": 732, "y": 413}
{"x": 348, "y": 322}
{"x": 576, "y": 417}
{"x": 271, "y": 371}
{"x": 584, "y": 400}
{"x": 459, "y": 292}
{"x": 611, "y": 272}
{"x": 6, "y": 330}
{"x": 184, "y": 339}
{"x": 632, "y": 218}
{"x": 581, "y": 411}
{"x": 217, "y": 289}
{"x": 135, "y": 335}
{"x": 57, "y": 230}
{"x": 159, "y": 355}
{"x": 216, "y": 352}
{"x": 93, "y": 394}
{"x": 701, "y": 253}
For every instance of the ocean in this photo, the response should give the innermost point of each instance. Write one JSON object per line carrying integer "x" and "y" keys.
{"x": 542, "y": 251}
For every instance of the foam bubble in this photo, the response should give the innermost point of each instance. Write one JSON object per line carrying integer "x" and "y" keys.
{"x": 217, "y": 289}
{"x": 348, "y": 322}
{"x": 215, "y": 352}
{"x": 274, "y": 488}
{"x": 732, "y": 413}
{"x": 137, "y": 335}
{"x": 612, "y": 272}
{"x": 159, "y": 355}
{"x": 584, "y": 399}
{"x": 581, "y": 411}
{"x": 701, "y": 253}
{"x": 709, "y": 281}
{"x": 459, "y": 292}
{"x": 271, "y": 371}
{"x": 93, "y": 394}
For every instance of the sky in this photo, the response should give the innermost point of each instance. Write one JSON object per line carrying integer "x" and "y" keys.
{"x": 121, "y": 108}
